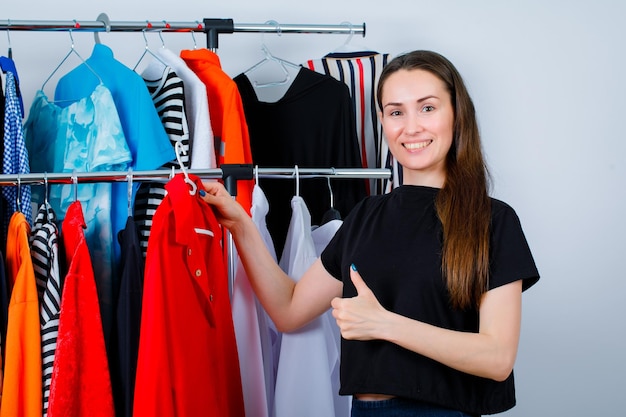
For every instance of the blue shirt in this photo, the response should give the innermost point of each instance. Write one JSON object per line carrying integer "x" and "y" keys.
{"x": 146, "y": 137}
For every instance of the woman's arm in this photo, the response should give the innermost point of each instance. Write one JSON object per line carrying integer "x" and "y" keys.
{"x": 289, "y": 304}
{"x": 490, "y": 353}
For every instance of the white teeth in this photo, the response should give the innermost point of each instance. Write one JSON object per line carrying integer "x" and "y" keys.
{"x": 418, "y": 145}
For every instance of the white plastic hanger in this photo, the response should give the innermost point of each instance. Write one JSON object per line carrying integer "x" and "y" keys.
{"x": 181, "y": 151}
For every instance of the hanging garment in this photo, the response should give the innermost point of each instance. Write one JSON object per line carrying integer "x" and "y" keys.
{"x": 197, "y": 111}
{"x": 146, "y": 138}
{"x": 167, "y": 92}
{"x": 125, "y": 332}
{"x": 187, "y": 363}
{"x": 311, "y": 126}
{"x": 360, "y": 71}
{"x": 15, "y": 157}
{"x": 22, "y": 386}
{"x": 228, "y": 120}
{"x": 4, "y": 313}
{"x": 86, "y": 136}
{"x": 45, "y": 255}
{"x": 308, "y": 379}
{"x": 258, "y": 341}
{"x": 8, "y": 65}
{"x": 321, "y": 235}
{"x": 81, "y": 385}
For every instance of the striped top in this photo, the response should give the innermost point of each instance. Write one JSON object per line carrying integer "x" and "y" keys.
{"x": 45, "y": 255}
{"x": 360, "y": 71}
{"x": 168, "y": 96}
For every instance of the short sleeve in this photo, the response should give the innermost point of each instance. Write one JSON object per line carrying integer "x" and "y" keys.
{"x": 510, "y": 255}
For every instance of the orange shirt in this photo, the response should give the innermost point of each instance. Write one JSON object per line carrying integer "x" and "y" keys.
{"x": 22, "y": 391}
{"x": 226, "y": 114}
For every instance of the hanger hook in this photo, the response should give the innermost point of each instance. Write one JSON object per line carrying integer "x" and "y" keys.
{"x": 145, "y": 38}
{"x": 8, "y": 30}
{"x": 45, "y": 188}
{"x": 75, "y": 185}
{"x": 19, "y": 193}
{"x": 72, "y": 36}
{"x": 161, "y": 37}
{"x": 351, "y": 34}
{"x": 181, "y": 151}
{"x": 193, "y": 35}
{"x": 129, "y": 190}
{"x": 297, "y": 173}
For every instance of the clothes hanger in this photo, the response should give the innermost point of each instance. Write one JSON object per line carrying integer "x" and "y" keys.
{"x": 181, "y": 151}
{"x": 297, "y": 174}
{"x": 332, "y": 213}
{"x": 270, "y": 58}
{"x": 18, "y": 202}
{"x": 193, "y": 36}
{"x": 10, "y": 51}
{"x": 75, "y": 185}
{"x": 129, "y": 190}
{"x": 148, "y": 51}
{"x": 347, "y": 46}
{"x": 72, "y": 51}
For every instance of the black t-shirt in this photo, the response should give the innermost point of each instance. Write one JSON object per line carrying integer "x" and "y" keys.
{"x": 395, "y": 241}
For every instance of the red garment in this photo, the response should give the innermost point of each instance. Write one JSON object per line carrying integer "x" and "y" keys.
{"x": 226, "y": 113}
{"x": 81, "y": 385}
{"x": 188, "y": 363}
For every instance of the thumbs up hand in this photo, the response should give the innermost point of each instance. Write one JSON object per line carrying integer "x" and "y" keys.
{"x": 361, "y": 317}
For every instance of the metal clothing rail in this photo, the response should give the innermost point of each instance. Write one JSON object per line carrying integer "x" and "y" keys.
{"x": 230, "y": 173}
{"x": 165, "y": 175}
{"x": 212, "y": 27}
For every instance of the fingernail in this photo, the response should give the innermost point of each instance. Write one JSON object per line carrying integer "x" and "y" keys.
{"x": 353, "y": 266}
{"x": 202, "y": 193}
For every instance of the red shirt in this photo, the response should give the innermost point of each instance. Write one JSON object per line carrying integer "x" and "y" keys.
{"x": 81, "y": 384}
{"x": 188, "y": 363}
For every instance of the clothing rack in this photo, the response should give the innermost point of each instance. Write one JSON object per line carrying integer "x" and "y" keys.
{"x": 226, "y": 173}
{"x": 230, "y": 173}
{"x": 210, "y": 26}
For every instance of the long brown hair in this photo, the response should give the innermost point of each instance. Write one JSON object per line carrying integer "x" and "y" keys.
{"x": 463, "y": 204}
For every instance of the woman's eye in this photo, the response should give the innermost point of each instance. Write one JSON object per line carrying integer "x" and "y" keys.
{"x": 395, "y": 113}
{"x": 428, "y": 108}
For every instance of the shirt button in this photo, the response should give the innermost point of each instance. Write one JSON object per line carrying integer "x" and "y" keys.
{"x": 189, "y": 252}
{"x": 211, "y": 297}
{"x": 198, "y": 272}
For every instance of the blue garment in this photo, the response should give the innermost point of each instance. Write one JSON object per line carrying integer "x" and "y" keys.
{"x": 8, "y": 65}
{"x": 400, "y": 407}
{"x": 84, "y": 136}
{"x": 15, "y": 158}
{"x": 146, "y": 137}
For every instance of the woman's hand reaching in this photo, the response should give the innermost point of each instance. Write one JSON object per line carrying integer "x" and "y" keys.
{"x": 227, "y": 210}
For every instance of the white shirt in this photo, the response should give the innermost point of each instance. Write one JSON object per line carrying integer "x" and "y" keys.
{"x": 308, "y": 379}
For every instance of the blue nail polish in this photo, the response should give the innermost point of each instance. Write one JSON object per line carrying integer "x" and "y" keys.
{"x": 353, "y": 266}
{"x": 202, "y": 193}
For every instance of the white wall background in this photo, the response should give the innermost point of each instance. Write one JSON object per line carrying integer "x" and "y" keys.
{"x": 548, "y": 82}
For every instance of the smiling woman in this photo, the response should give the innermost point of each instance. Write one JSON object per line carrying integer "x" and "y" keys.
{"x": 434, "y": 329}
{"x": 417, "y": 117}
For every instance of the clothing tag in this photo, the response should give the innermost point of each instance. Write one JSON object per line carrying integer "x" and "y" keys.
{"x": 204, "y": 231}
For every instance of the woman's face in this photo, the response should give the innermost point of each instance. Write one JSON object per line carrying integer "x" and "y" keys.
{"x": 418, "y": 120}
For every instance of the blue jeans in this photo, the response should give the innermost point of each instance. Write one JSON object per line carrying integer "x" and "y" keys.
{"x": 400, "y": 407}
